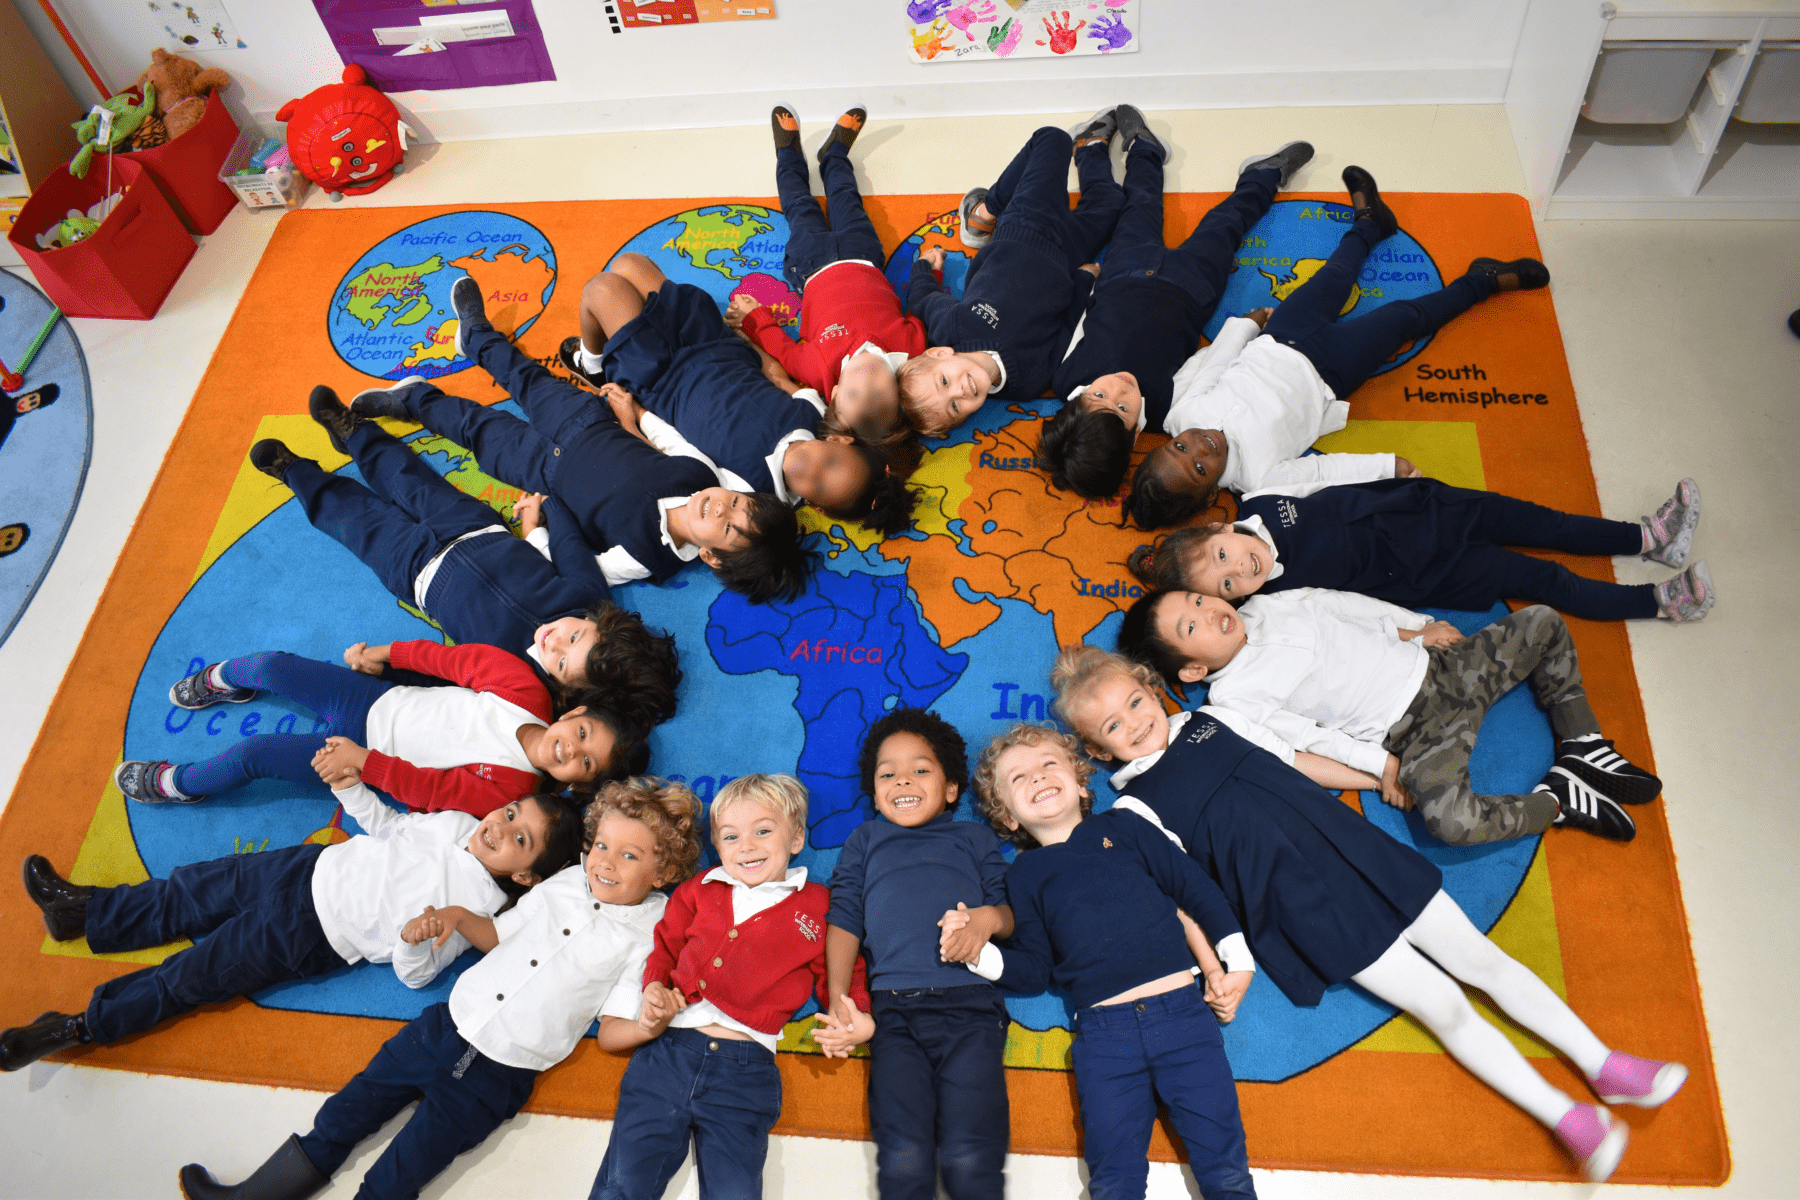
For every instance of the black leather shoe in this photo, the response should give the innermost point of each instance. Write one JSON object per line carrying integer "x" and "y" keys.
{"x": 329, "y": 411}
{"x": 1366, "y": 199}
{"x": 272, "y": 457}
{"x": 567, "y": 356}
{"x": 64, "y": 904}
{"x": 288, "y": 1175}
{"x": 52, "y": 1031}
{"x": 1521, "y": 274}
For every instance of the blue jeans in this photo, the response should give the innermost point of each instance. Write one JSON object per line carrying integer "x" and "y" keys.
{"x": 1034, "y": 188}
{"x": 463, "y": 1097}
{"x": 1129, "y": 1056}
{"x": 813, "y": 242}
{"x": 726, "y": 1094}
{"x": 253, "y": 914}
{"x": 937, "y": 1092}
{"x": 339, "y": 696}
{"x": 1346, "y": 353}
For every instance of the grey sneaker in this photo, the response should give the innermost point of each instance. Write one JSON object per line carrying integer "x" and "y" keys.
{"x": 1687, "y": 597}
{"x": 1287, "y": 160}
{"x": 1672, "y": 528}
{"x": 197, "y": 691}
{"x": 968, "y": 230}
{"x": 1133, "y": 126}
{"x": 1098, "y": 128}
{"x": 138, "y": 781}
{"x": 471, "y": 314}
{"x": 395, "y": 400}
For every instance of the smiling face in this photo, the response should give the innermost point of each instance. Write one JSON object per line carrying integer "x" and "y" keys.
{"x": 826, "y": 472}
{"x": 563, "y": 646}
{"x": 1229, "y": 565}
{"x": 621, "y": 865}
{"x": 1040, "y": 789}
{"x": 1120, "y": 718}
{"x": 910, "y": 785}
{"x": 866, "y": 397}
{"x": 577, "y": 749}
{"x": 509, "y": 840}
{"x": 718, "y": 521}
{"x": 1204, "y": 630}
{"x": 951, "y": 388}
{"x": 755, "y": 844}
{"x": 1118, "y": 394}
{"x": 1192, "y": 462}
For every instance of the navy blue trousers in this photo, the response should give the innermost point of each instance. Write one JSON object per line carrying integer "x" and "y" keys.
{"x": 463, "y": 1097}
{"x": 813, "y": 241}
{"x": 254, "y": 912}
{"x": 337, "y": 695}
{"x": 937, "y": 1092}
{"x": 1485, "y": 571}
{"x": 1034, "y": 188}
{"x": 1162, "y": 1048}
{"x": 1203, "y": 262}
{"x": 725, "y": 1094}
{"x": 1346, "y": 353}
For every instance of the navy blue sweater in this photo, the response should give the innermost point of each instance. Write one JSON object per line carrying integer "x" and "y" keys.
{"x": 892, "y": 885}
{"x": 1143, "y": 325}
{"x": 1021, "y": 303}
{"x": 1101, "y": 907}
{"x": 612, "y": 483}
{"x": 716, "y": 396}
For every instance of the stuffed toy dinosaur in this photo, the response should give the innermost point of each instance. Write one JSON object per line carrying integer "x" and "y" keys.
{"x": 126, "y": 118}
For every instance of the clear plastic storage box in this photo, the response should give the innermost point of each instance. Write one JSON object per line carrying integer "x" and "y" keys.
{"x": 280, "y": 187}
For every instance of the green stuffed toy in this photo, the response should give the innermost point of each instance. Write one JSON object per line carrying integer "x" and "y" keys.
{"x": 73, "y": 229}
{"x": 126, "y": 119}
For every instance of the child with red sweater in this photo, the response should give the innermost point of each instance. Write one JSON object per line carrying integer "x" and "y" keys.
{"x": 473, "y": 747}
{"x": 850, "y": 316}
{"x": 737, "y": 951}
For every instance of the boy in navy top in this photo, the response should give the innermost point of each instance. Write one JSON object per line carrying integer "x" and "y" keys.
{"x": 647, "y": 512}
{"x": 937, "y": 1079}
{"x": 1095, "y": 903}
{"x": 1024, "y": 291}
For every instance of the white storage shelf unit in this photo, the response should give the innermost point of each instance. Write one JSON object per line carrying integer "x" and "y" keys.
{"x": 1657, "y": 110}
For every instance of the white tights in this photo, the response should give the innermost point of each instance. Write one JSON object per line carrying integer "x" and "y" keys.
{"x": 1408, "y": 980}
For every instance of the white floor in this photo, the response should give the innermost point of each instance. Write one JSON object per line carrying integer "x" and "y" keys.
{"x": 1682, "y": 364}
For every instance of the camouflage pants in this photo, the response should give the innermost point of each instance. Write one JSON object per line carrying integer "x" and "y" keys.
{"x": 1435, "y": 737}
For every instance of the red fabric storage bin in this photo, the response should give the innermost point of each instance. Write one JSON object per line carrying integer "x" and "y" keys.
{"x": 187, "y": 168}
{"x": 127, "y": 267}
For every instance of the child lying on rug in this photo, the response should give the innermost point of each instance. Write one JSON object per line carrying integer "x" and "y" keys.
{"x": 1024, "y": 291}
{"x": 291, "y": 913}
{"x": 448, "y": 554}
{"x": 668, "y": 349}
{"x": 1327, "y": 897}
{"x": 738, "y": 950}
{"x": 572, "y": 950}
{"x": 1423, "y": 543}
{"x": 1142, "y": 1032}
{"x": 852, "y": 330}
{"x": 654, "y": 512}
{"x": 1399, "y": 696}
{"x": 1247, "y": 407}
{"x": 484, "y": 742}
{"x": 1148, "y": 311}
{"x": 937, "y": 1078}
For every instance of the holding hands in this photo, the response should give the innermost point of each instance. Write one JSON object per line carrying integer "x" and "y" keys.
{"x": 934, "y": 257}
{"x": 843, "y": 1029}
{"x": 339, "y": 762}
{"x": 370, "y": 660}
{"x": 528, "y": 511}
{"x": 742, "y": 305}
{"x": 661, "y": 1003}
{"x": 1223, "y": 992}
{"x": 966, "y": 931}
{"x": 433, "y": 923}
{"x": 1438, "y": 633}
{"x": 1391, "y": 791}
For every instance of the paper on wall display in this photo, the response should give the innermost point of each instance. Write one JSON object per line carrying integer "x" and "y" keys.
{"x": 942, "y": 31}
{"x": 660, "y": 14}
{"x": 186, "y": 28}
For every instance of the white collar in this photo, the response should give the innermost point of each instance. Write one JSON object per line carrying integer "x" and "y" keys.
{"x": 777, "y": 457}
{"x": 632, "y": 913}
{"x": 1143, "y": 409}
{"x": 1144, "y": 762}
{"x": 1255, "y": 525}
{"x": 793, "y": 882}
{"x": 1001, "y": 363}
{"x": 894, "y": 359}
{"x": 687, "y": 553}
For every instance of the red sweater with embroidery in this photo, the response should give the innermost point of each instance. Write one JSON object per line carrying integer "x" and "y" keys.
{"x": 759, "y": 972}
{"x": 845, "y": 305}
{"x": 475, "y": 788}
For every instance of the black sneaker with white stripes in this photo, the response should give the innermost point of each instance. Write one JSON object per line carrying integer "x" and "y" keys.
{"x": 1596, "y": 763}
{"x": 1581, "y": 807}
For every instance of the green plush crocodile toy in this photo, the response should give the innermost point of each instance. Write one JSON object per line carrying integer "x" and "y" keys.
{"x": 126, "y": 119}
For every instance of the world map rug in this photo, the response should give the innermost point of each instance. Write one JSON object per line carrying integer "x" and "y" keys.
{"x": 963, "y": 615}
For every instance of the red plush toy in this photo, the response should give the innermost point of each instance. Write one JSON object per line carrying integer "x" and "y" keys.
{"x": 345, "y": 137}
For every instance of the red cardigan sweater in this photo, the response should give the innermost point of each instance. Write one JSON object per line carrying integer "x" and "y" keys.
{"x": 477, "y": 788}
{"x": 845, "y": 305}
{"x": 759, "y": 972}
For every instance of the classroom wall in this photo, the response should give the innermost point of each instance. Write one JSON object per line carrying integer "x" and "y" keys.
{"x": 825, "y": 55}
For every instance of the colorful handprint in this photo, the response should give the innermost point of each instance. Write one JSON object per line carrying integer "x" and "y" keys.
{"x": 1002, "y": 40}
{"x": 1062, "y": 36}
{"x": 1109, "y": 30}
{"x": 971, "y": 13}
{"x": 929, "y": 42}
{"x": 921, "y": 12}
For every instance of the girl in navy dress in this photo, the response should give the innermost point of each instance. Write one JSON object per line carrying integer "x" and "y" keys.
{"x": 1422, "y": 543}
{"x": 1325, "y": 897}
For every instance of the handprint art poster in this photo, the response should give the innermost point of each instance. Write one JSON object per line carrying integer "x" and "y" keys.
{"x": 954, "y": 30}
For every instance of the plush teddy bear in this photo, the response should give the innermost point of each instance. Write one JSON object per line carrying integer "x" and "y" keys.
{"x": 181, "y": 87}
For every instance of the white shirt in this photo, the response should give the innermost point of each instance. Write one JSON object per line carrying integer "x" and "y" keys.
{"x": 1256, "y": 527}
{"x": 422, "y": 581}
{"x": 746, "y": 902}
{"x": 838, "y": 263}
{"x": 999, "y": 363}
{"x": 1272, "y": 405}
{"x": 563, "y": 959}
{"x": 1326, "y": 671}
{"x": 450, "y": 727}
{"x": 365, "y": 890}
{"x": 775, "y": 460}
